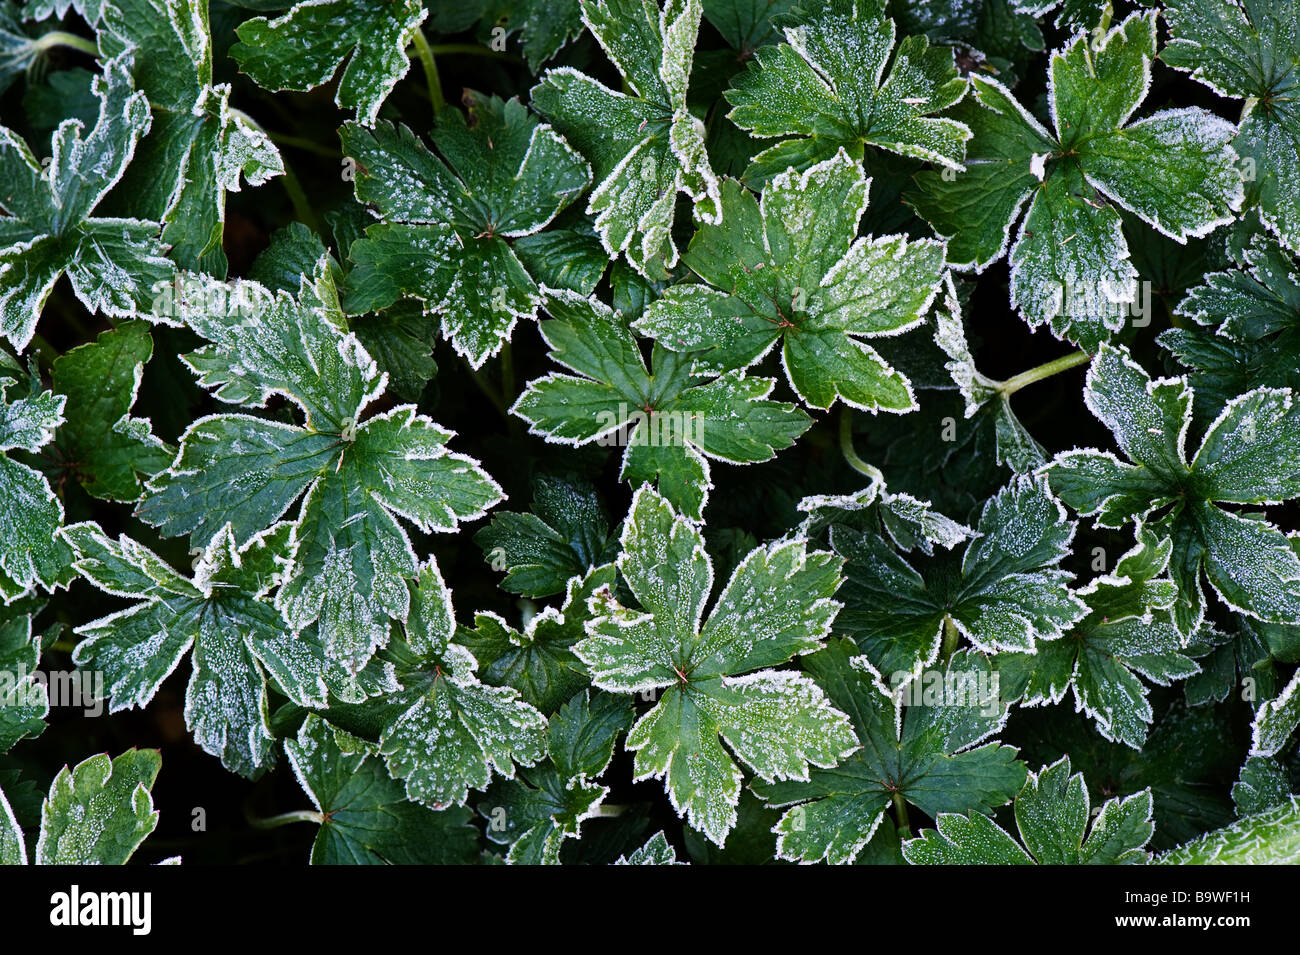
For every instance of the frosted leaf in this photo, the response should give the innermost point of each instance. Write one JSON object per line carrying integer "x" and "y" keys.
{"x": 645, "y": 147}
{"x": 924, "y": 753}
{"x": 668, "y": 419}
{"x": 30, "y": 513}
{"x": 451, "y": 221}
{"x": 1175, "y": 170}
{"x": 356, "y": 476}
{"x": 198, "y": 148}
{"x": 100, "y": 811}
{"x": 827, "y": 82}
{"x": 1053, "y": 821}
{"x": 656, "y": 851}
{"x": 1276, "y": 721}
{"x": 365, "y": 817}
{"x": 304, "y": 48}
{"x": 790, "y": 269}
{"x": 221, "y": 614}
{"x": 910, "y": 523}
{"x": 1249, "y": 455}
{"x": 24, "y": 700}
{"x": 548, "y": 803}
{"x": 1128, "y": 632}
{"x": 449, "y": 732}
{"x": 1271, "y": 837}
{"x": 778, "y": 604}
{"x": 1007, "y": 591}
{"x": 113, "y": 264}
{"x": 1246, "y": 50}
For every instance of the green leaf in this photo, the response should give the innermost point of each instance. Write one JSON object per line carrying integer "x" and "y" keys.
{"x": 826, "y": 87}
{"x": 566, "y": 535}
{"x": 220, "y": 614}
{"x": 304, "y": 48}
{"x": 669, "y": 420}
{"x": 112, "y": 264}
{"x": 1053, "y": 820}
{"x": 789, "y": 268}
{"x": 448, "y": 222}
{"x": 1175, "y": 170}
{"x": 656, "y": 851}
{"x": 1249, "y": 455}
{"x": 24, "y": 700}
{"x": 450, "y": 732}
{"x": 1249, "y": 50}
{"x": 30, "y": 514}
{"x": 715, "y": 675}
{"x": 365, "y": 817}
{"x": 99, "y": 444}
{"x": 198, "y": 147}
{"x": 1006, "y": 592}
{"x": 350, "y": 558}
{"x": 100, "y": 811}
{"x": 1129, "y": 631}
{"x": 644, "y": 145}
{"x": 1267, "y": 838}
{"x": 547, "y": 26}
{"x": 538, "y": 661}
{"x": 926, "y": 753}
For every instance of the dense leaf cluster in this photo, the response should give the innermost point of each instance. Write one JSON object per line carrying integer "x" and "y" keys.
{"x": 669, "y": 346}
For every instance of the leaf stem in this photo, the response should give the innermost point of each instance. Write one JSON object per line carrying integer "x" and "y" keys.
{"x": 286, "y": 819}
{"x": 609, "y": 812}
{"x": 425, "y": 53}
{"x": 47, "y": 41}
{"x": 299, "y": 142}
{"x": 1073, "y": 360}
{"x": 488, "y": 389}
{"x": 850, "y": 455}
{"x": 900, "y": 816}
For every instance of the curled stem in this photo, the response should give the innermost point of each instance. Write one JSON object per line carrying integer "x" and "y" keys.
{"x": 286, "y": 819}
{"x": 425, "y": 53}
{"x": 850, "y": 455}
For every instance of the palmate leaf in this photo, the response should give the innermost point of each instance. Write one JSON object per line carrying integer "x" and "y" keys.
{"x": 50, "y": 230}
{"x": 1070, "y": 268}
{"x": 1250, "y": 454}
{"x": 546, "y": 26}
{"x": 450, "y": 222}
{"x": 1053, "y": 820}
{"x": 644, "y": 145}
{"x": 1249, "y": 49}
{"x": 926, "y": 753}
{"x": 350, "y": 557}
{"x": 99, "y": 444}
{"x": 198, "y": 146}
{"x": 566, "y": 535}
{"x": 1129, "y": 630}
{"x": 445, "y": 732}
{"x": 219, "y": 616}
{"x": 539, "y": 661}
{"x": 365, "y": 817}
{"x": 669, "y": 420}
{"x": 656, "y": 851}
{"x": 305, "y": 47}
{"x": 548, "y": 803}
{"x": 716, "y": 676}
{"x": 910, "y": 523}
{"x": 1005, "y": 593}
{"x": 30, "y": 514}
{"x": 789, "y": 268}
{"x": 825, "y": 87}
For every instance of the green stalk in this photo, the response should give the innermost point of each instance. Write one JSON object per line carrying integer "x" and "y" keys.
{"x": 850, "y": 455}
{"x": 900, "y": 816}
{"x": 471, "y": 49}
{"x": 425, "y": 53}
{"x": 1073, "y": 360}
{"x": 49, "y": 41}
{"x": 286, "y": 819}
{"x": 951, "y": 637}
